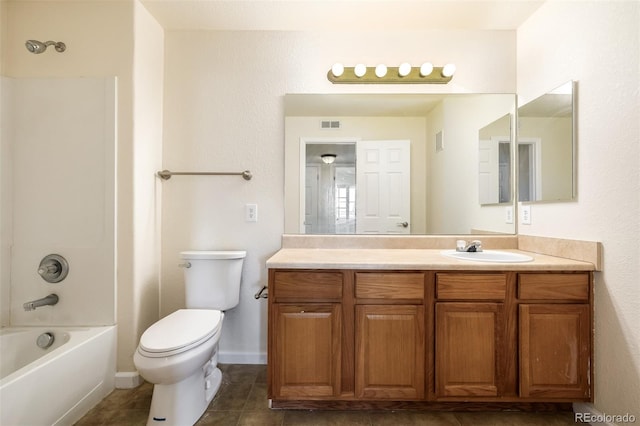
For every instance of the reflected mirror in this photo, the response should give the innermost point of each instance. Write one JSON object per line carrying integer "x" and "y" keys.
{"x": 546, "y": 147}
{"x": 396, "y": 163}
{"x": 494, "y": 161}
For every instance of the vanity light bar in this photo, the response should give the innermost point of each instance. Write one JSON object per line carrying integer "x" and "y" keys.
{"x": 381, "y": 74}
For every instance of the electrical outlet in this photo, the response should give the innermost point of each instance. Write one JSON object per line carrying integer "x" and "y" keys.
{"x": 525, "y": 210}
{"x": 508, "y": 214}
{"x": 251, "y": 213}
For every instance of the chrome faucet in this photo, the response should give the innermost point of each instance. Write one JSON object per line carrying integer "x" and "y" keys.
{"x": 51, "y": 299}
{"x": 473, "y": 246}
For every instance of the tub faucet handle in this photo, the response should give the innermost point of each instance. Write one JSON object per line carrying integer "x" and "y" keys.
{"x": 49, "y": 268}
{"x": 53, "y": 268}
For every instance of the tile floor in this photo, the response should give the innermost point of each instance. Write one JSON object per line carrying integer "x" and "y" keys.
{"x": 242, "y": 400}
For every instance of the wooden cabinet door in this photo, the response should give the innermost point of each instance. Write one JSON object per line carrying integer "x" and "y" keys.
{"x": 307, "y": 350}
{"x": 390, "y": 352}
{"x": 555, "y": 346}
{"x": 467, "y": 349}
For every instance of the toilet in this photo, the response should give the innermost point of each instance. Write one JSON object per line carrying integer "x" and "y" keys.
{"x": 179, "y": 353}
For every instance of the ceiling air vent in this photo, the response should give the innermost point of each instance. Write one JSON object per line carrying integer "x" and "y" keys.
{"x": 329, "y": 124}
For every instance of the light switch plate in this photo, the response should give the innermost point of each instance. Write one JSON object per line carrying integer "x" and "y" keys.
{"x": 525, "y": 210}
{"x": 251, "y": 213}
{"x": 508, "y": 214}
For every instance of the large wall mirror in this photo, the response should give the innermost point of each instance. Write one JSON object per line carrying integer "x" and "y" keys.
{"x": 546, "y": 147}
{"x": 399, "y": 163}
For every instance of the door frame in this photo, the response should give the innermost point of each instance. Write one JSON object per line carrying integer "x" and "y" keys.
{"x": 535, "y": 184}
{"x": 309, "y": 140}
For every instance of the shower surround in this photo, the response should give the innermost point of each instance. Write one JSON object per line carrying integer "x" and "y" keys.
{"x": 58, "y": 180}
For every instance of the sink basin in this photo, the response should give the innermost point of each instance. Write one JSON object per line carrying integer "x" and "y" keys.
{"x": 489, "y": 256}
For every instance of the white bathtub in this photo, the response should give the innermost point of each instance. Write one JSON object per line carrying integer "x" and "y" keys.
{"x": 56, "y": 386}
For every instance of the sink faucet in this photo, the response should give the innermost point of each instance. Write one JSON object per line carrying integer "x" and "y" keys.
{"x": 51, "y": 299}
{"x": 473, "y": 246}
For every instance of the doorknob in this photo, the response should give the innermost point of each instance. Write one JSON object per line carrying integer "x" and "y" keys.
{"x": 404, "y": 224}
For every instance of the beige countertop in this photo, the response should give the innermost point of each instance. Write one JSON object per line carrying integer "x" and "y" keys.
{"x": 413, "y": 259}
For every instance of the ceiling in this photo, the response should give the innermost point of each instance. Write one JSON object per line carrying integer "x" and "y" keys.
{"x": 341, "y": 15}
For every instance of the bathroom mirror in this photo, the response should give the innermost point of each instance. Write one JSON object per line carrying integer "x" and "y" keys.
{"x": 433, "y": 136}
{"x": 546, "y": 147}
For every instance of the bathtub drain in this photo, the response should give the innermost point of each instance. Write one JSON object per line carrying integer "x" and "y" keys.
{"x": 45, "y": 340}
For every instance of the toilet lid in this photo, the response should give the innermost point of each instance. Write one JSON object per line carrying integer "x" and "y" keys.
{"x": 184, "y": 327}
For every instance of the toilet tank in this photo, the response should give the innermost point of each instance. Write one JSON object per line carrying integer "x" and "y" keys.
{"x": 212, "y": 278}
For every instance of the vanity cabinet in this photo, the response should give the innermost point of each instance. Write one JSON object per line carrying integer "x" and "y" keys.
{"x": 555, "y": 336}
{"x": 305, "y": 331}
{"x": 390, "y": 336}
{"x": 469, "y": 325}
{"x": 402, "y": 338}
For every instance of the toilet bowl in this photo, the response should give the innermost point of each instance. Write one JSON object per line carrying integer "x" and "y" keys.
{"x": 179, "y": 353}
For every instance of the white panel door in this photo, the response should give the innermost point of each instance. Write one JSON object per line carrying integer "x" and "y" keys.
{"x": 488, "y": 172}
{"x": 383, "y": 200}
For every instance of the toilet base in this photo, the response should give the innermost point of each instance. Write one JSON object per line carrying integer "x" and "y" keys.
{"x": 183, "y": 403}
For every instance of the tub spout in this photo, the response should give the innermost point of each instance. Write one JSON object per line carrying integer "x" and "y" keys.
{"x": 51, "y": 299}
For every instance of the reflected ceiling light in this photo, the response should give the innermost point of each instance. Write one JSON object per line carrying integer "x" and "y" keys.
{"x": 404, "y": 69}
{"x": 381, "y": 74}
{"x": 360, "y": 70}
{"x": 426, "y": 69}
{"x": 328, "y": 158}
{"x": 448, "y": 70}
{"x": 337, "y": 69}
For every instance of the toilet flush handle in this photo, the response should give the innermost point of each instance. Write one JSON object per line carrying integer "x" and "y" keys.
{"x": 185, "y": 265}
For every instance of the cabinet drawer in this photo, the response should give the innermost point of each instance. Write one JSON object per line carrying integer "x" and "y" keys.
{"x": 389, "y": 285}
{"x": 553, "y": 286}
{"x": 456, "y": 286}
{"x": 307, "y": 285}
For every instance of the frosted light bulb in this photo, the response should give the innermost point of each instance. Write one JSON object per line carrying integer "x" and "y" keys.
{"x": 404, "y": 69}
{"x": 381, "y": 70}
{"x": 426, "y": 69}
{"x": 337, "y": 69}
{"x": 360, "y": 70}
{"x": 448, "y": 70}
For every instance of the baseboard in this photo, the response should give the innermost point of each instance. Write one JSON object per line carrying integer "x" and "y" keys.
{"x": 242, "y": 358}
{"x": 587, "y": 413}
{"x": 128, "y": 379}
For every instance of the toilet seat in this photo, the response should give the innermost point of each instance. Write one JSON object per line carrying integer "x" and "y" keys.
{"x": 179, "y": 332}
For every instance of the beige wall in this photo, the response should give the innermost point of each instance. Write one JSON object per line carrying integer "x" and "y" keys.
{"x": 586, "y": 41}
{"x": 6, "y": 234}
{"x": 139, "y": 304}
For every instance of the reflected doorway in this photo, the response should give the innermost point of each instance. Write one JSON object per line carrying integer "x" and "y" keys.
{"x": 529, "y": 173}
{"x": 351, "y": 187}
{"x": 329, "y": 187}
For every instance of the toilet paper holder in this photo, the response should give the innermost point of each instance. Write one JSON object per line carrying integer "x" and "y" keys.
{"x": 262, "y": 294}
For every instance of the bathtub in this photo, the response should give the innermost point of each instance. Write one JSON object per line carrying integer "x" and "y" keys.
{"x": 58, "y": 385}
